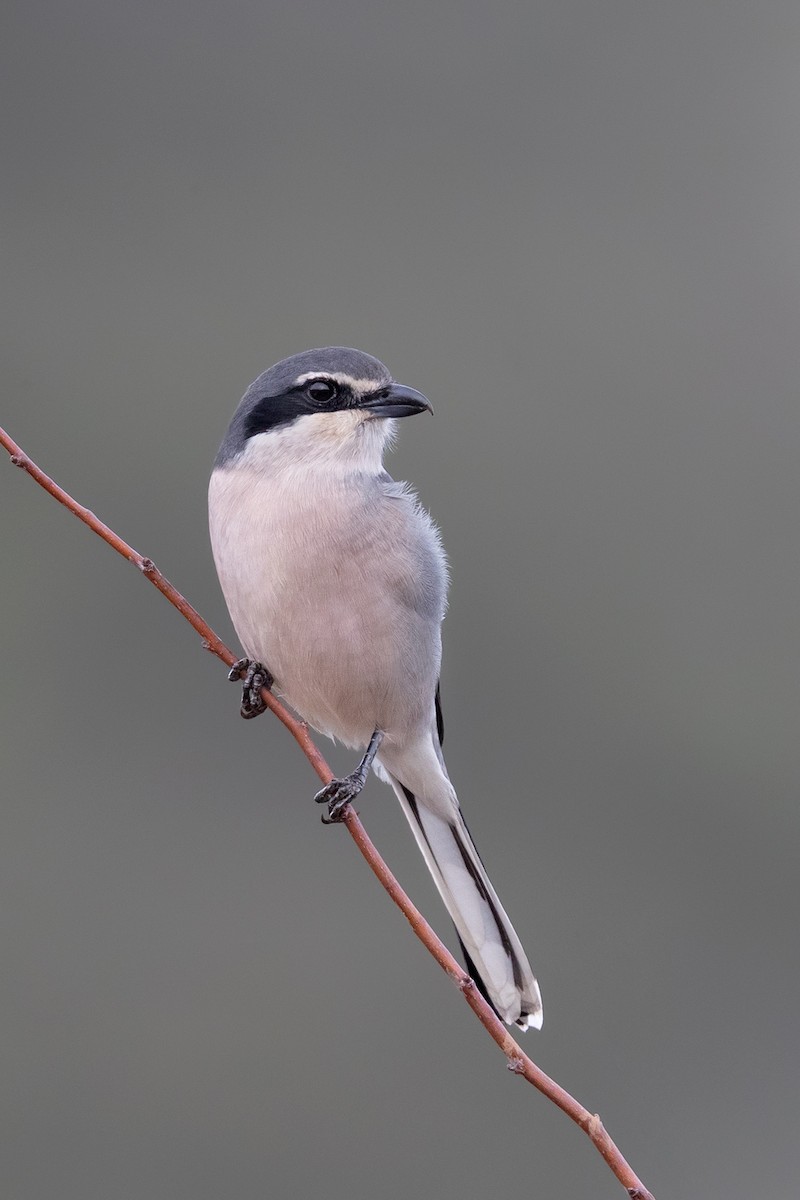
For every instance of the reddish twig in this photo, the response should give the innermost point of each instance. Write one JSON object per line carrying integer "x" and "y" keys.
{"x": 518, "y": 1061}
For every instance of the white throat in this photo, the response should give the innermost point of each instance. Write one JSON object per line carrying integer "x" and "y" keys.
{"x": 343, "y": 443}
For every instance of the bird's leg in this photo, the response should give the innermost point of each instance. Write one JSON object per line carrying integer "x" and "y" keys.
{"x": 253, "y": 676}
{"x": 339, "y": 792}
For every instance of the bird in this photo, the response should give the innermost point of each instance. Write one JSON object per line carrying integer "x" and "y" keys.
{"x": 336, "y": 583}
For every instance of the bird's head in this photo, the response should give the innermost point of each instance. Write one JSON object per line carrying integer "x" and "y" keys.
{"x": 330, "y": 404}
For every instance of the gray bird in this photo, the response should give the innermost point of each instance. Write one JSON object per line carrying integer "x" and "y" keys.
{"x": 336, "y": 581}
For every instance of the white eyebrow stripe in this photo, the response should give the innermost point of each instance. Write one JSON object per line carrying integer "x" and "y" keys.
{"x": 361, "y": 387}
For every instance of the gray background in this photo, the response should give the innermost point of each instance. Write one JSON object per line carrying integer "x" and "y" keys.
{"x": 576, "y": 227}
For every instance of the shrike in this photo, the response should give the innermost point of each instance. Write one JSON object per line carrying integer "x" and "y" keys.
{"x": 336, "y": 582}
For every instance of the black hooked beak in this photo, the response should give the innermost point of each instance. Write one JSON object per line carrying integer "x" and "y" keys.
{"x": 396, "y": 401}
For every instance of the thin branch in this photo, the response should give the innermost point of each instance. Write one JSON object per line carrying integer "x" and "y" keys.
{"x": 518, "y": 1061}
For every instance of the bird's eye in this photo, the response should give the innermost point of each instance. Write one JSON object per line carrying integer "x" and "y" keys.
{"x": 322, "y": 391}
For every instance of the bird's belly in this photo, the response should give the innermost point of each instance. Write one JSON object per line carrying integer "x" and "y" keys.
{"x": 326, "y": 619}
{"x": 334, "y": 661}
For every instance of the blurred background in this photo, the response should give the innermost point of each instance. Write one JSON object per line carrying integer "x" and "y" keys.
{"x": 576, "y": 227}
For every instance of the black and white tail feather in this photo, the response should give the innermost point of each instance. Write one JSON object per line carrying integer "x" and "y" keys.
{"x": 494, "y": 955}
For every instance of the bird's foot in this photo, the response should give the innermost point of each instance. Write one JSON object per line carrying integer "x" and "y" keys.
{"x": 338, "y": 794}
{"x": 253, "y": 676}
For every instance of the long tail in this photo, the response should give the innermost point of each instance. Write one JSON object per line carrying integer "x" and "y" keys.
{"x": 494, "y": 953}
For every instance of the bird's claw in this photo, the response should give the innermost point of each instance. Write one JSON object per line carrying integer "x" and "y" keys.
{"x": 338, "y": 794}
{"x": 253, "y": 676}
